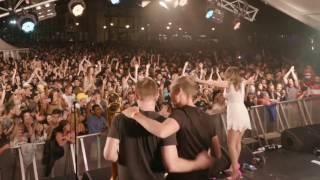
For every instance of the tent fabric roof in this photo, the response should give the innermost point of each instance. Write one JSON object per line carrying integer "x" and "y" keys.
{"x": 306, "y": 11}
{"x": 4, "y": 46}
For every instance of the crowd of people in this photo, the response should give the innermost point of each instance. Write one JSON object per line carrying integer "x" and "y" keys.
{"x": 74, "y": 87}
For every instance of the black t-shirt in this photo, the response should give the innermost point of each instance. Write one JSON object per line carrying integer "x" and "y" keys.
{"x": 196, "y": 132}
{"x": 139, "y": 151}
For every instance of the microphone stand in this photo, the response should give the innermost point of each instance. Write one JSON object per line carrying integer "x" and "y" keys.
{"x": 75, "y": 137}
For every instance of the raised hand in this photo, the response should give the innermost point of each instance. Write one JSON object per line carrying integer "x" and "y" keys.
{"x": 136, "y": 65}
{"x": 148, "y": 65}
{"x": 104, "y": 82}
{"x": 201, "y": 65}
{"x": 292, "y": 68}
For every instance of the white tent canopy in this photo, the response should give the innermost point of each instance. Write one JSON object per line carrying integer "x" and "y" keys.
{"x": 306, "y": 11}
{"x": 9, "y": 50}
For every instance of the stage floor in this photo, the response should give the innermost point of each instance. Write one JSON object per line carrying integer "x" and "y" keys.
{"x": 286, "y": 165}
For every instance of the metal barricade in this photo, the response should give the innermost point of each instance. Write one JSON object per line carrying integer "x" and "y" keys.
{"x": 35, "y": 170}
{"x": 287, "y": 114}
{"x": 90, "y": 152}
{"x": 266, "y": 122}
{"x": 312, "y": 109}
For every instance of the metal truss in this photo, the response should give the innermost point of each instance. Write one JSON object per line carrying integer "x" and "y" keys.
{"x": 18, "y": 9}
{"x": 240, "y": 8}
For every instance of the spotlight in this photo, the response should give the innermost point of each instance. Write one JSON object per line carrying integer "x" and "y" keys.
{"x": 38, "y": 8}
{"x": 111, "y": 24}
{"x": 13, "y": 21}
{"x": 168, "y": 27}
{"x": 213, "y": 29}
{"x": 170, "y": 23}
{"x": 312, "y": 48}
{"x": 144, "y": 3}
{"x": 104, "y": 27}
{"x": 77, "y": 7}
{"x": 127, "y": 26}
{"x": 167, "y": 4}
{"x": 77, "y": 24}
{"x": 114, "y": 2}
{"x": 47, "y": 5}
{"x": 209, "y": 13}
{"x": 214, "y": 14}
{"x": 180, "y": 29}
{"x": 164, "y": 5}
{"x": 236, "y": 24}
{"x": 27, "y": 23}
{"x": 142, "y": 28}
{"x": 183, "y": 2}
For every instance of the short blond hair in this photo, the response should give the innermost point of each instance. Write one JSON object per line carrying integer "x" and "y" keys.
{"x": 187, "y": 84}
{"x": 146, "y": 88}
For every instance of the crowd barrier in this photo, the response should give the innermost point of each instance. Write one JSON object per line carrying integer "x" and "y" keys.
{"x": 19, "y": 163}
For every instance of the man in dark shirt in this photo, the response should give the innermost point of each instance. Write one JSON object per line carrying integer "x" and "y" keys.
{"x": 195, "y": 130}
{"x": 138, "y": 152}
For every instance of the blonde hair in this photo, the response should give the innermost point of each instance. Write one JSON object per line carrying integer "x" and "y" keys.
{"x": 146, "y": 88}
{"x": 186, "y": 84}
{"x": 232, "y": 74}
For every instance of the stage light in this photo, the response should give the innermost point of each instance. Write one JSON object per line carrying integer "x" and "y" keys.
{"x": 111, "y": 24}
{"x": 27, "y": 22}
{"x": 213, "y": 29}
{"x": 168, "y": 27}
{"x": 209, "y": 14}
{"x": 144, "y": 3}
{"x": 312, "y": 48}
{"x": 183, "y": 2}
{"x": 167, "y": 4}
{"x": 180, "y": 29}
{"x": 77, "y": 24}
{"x": 214, "y": 14}
{"x": 38, "y": 8}
{"x": 114, "y": 2}
{"x": 77, "y": 7}
{"x": 13, "y": 21}
{"x": 28, "y": 26}
{"x": 142, "y": 28}
{"x": 170, "y": 23}
{"x": 47, "y": 5}
{"x": 127, "y": 26}
{"x": 236, "y": 24}
{"x": 104, "y": 27}
{"x": 164, "y": 5}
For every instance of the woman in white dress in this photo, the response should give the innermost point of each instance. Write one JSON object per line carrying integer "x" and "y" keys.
{"x": 238, "y": 119}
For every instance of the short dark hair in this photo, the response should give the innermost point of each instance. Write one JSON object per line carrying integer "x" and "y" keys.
{"x": 24, "y": 112}
{"x": 95, "y": 106}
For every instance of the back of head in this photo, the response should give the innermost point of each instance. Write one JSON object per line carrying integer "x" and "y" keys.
{"x": 232, "y": 74}
{"x": 186, "y": 84}
{"x": 146, "y": 88}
